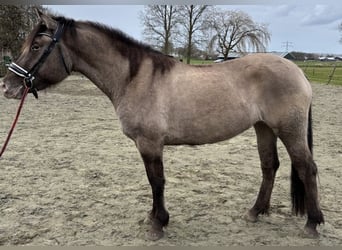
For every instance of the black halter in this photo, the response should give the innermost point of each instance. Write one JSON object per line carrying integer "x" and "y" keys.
{"x": 29, "y": 75}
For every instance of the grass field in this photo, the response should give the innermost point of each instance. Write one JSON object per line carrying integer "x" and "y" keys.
{"x": 315, "y": 71}
{"x": 322, "y": 72}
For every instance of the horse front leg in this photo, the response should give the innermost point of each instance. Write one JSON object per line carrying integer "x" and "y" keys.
{"x": 159, "y": 216}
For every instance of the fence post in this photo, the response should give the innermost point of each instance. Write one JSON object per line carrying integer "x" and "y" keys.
{"x": 332, "y": 74}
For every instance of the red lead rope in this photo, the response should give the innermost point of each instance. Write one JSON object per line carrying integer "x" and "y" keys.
{"x": 15, "y": 121}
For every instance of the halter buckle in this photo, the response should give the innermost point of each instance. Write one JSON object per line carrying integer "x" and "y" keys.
{"x": 28, "y": 82}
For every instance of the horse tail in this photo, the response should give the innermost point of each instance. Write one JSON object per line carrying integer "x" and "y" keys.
{"x": 297, "y": 185}
{"x": 309, "y": 133}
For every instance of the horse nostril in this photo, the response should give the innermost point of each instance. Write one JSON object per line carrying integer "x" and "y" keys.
{"x": 3, "y": 86}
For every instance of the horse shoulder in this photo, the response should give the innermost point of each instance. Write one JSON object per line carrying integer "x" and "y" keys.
{"x": 142, "y": 112}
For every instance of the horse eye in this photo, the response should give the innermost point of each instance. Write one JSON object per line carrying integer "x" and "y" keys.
{"x": 35, "y": 47}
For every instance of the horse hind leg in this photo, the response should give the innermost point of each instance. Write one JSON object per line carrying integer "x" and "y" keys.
{"x": 267, "y": 148}
{"x": 304, "y": 191}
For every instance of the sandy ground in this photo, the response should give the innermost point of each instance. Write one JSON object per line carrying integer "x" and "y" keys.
{"x": 70, "y": 177}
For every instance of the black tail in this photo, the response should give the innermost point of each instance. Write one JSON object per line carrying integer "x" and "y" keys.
{"x": 297, "y": 193}
{"x": 310, "y": 140}
{"x": 297, "y": 186}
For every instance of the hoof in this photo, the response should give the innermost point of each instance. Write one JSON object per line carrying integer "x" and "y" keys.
{"x": 156, "y": 230}
{"x": 311, "y": 232}
{"x": 251, "y": 217}
{"x": 154, "y": 235}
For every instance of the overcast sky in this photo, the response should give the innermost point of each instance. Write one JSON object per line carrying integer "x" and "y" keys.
{"x": 307, "y": 26}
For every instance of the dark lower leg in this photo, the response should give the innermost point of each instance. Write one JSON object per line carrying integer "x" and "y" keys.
{"x": 269, "y": 164}
{"x": 155, "y": 173}
{"x": 262, "y": 202}
{"x": 307, "y": 173}
{"x": 315, "y": 215}
{"x": 297, "y": 138}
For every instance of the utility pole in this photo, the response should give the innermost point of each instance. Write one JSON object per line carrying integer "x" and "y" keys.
{"x": 287, "y": 44}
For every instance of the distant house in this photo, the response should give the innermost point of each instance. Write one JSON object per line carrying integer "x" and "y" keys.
{"x": 287, "y": 55}
{"x": 330, "y": 58}
{"x": 231, "y": 56}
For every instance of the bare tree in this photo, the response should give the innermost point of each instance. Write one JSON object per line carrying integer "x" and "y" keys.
{"x": 235, "y": 30}
{"x": 191, "y": 18}
{"x": 11, "y": 34}
{"x": 159, "y": 22}
{"x": 16, "y": 21}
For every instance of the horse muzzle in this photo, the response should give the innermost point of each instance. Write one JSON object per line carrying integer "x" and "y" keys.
{"x": 12, "y": 92}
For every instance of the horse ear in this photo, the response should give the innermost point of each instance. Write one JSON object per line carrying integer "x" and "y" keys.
{"x": 38, "y": 12}
{"x": 46, "y": 20}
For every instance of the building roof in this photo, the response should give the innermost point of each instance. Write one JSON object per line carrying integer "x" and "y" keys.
{"x": 287, "y": 55}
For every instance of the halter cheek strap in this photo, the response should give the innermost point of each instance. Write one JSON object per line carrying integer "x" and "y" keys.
{"x": 15, "y": 68}
{"x": 28, "y": 75}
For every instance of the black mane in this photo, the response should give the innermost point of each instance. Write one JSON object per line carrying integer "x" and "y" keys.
{"x": 128, "y": 47}
{"x": 118, "y": 35}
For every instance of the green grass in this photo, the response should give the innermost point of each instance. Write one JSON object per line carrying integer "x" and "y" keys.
{"x": 321, "y": 72}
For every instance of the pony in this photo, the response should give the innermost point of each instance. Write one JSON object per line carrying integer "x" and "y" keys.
{"x": 161, "y": 101}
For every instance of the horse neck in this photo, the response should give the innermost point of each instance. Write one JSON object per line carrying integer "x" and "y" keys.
{"x": 94, "y": 55}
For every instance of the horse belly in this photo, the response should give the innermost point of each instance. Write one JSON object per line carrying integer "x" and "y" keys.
{"x": 210, "y": 128}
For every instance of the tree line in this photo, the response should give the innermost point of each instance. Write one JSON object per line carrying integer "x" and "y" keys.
{"x": 185, "y": 28}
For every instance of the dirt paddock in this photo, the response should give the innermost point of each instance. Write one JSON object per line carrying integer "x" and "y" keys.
{"x": 70, "y": 177}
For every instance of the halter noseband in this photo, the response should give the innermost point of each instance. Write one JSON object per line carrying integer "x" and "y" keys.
{"x": 29, "y": 75}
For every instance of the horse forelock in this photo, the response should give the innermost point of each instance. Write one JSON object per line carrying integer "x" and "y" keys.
{"x": 40, "y": 27}
{"x": 29, "y": 39}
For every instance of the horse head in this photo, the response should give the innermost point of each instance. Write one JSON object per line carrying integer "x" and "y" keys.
{"x": 42, "y": 61}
